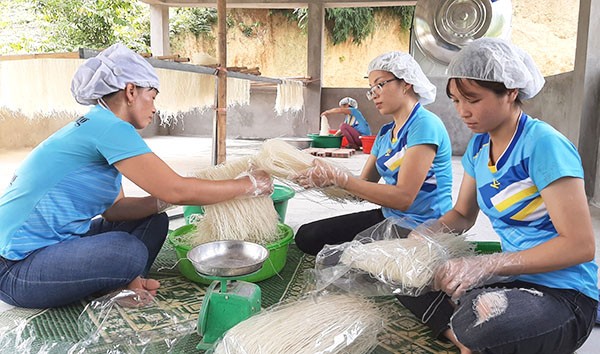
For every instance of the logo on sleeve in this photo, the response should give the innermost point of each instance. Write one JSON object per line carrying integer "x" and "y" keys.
{"x": 80, "y": 121}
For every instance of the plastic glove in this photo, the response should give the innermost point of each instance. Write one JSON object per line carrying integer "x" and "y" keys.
{"x": 458, "y": 275}
{"x": 322, "y": 174}
{"x": 262, "y": 184}
{"x": 161, "y": 206}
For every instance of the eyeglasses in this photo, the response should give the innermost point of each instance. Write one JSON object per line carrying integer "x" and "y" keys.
{"x": 376, "y": 90}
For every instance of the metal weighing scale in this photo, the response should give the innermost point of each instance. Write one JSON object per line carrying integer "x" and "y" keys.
{"x": 227, "y": 301}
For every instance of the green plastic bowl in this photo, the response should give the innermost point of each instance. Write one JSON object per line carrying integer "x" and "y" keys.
{"x": 487, "y": 247}
{"x": 281, "y": 195}
{"x": 274, "y": 264}
{"x": 325, "y": 141}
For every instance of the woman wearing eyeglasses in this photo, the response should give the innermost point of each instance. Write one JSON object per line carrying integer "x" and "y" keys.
{"x": 412, "y": 154}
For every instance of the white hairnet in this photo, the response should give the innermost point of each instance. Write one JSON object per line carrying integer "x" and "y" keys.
{"x": 349, "y": 101}
{"x": 110, "y": 71}
{"x": 405, "y": 67}
{"x": 497, "y": 60}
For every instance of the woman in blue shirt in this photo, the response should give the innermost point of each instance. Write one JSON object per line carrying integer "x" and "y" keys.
{"x": 67, "y": 231}
{"x": 539, "y": 295}
{"x": 354, "y": 124}
{"x": 412, "y": 154}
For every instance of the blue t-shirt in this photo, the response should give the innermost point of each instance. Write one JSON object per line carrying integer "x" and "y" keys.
{"x": 357, "y": 121}
{"x": 509, "y": 194}
{"x": 66, "y": 181}
{"x": 434, "y": 198}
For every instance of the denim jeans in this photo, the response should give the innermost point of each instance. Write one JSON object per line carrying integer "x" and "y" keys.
{"x": 106, "y": 258}
{"x": 515, "y": 317}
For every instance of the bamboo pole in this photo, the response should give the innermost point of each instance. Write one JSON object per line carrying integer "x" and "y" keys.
{"x": 221, "y": 114}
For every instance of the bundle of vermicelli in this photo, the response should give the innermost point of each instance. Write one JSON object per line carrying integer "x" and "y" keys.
{"x": 285, "y": 161}
{"x": 325, "y": 324}
{"x": 408, "y": 264}
{"x": 289, "y": 96}
{"x": 48, "y": 88}
{"x": 247, "y": 219}
{"x": 324, "y": 126}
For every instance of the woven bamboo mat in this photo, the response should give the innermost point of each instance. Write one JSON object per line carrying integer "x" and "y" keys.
{"x": 56, "y": 330}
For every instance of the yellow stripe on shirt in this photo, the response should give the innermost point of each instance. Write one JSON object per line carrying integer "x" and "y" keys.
{"x": 530, "y": 208}
{"x": 515, "y": 198}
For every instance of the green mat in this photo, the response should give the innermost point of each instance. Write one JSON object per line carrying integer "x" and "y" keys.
{"x": 56, "y": 330}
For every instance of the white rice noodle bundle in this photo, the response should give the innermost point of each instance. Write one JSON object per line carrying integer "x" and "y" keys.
{"x": 182, "y": 91}
{"x": 324, "y": 131}
{"x": 38, "y": 88}
{"x": 321, "y": 324}
{"x": 407, "y": 264}
{"x": 246, "y": 219}
{"x": 284, "y": 161}
{"x": 238, "y": 92}
{"x": 290, "y": 96}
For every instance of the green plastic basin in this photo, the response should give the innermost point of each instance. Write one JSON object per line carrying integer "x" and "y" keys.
{"x": 325, "y": 141}
{"x": 273, "y": 265}
{"x": 281, "y": 195}
{"x": 487, "y": 247}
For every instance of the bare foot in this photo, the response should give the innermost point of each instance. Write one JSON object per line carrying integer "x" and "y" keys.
{"x": 450, "y": 335}
{"x": 150, "y": 285}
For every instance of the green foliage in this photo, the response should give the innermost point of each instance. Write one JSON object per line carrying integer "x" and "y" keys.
{"x": 346, "y": 23}
{"x": 404, "y": 13}
{"x": 249, "y": 30}
{"x": 71, "y": 24}
{"x": 196, "y": 20}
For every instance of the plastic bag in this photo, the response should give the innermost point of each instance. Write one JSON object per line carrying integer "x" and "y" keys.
{"x": 317, "y": 323}
{"x": 393, "y": 257}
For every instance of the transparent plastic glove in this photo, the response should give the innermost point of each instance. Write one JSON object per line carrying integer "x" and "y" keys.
{"x": 262, "y": 184}
{"x": 161, "y": 206}
{"x": 322, "y": 174}
{"x": 458, "y": 275}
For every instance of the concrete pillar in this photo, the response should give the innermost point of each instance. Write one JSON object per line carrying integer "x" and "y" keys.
{"x": 159, "y": 30}
{"x": 312, "y": 93}
{"x": 586, "y": 93}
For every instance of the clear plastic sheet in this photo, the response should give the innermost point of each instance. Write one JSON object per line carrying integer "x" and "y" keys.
{"x": 317, "y": 323}
{"x": 152, "y": 329}
{"x": 393, "y": 257}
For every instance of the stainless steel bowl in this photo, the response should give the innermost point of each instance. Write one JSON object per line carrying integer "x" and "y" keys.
{"x": 442, "y": 28}
{"x": 300, "y": 143}
{"x": 227, "y": 258}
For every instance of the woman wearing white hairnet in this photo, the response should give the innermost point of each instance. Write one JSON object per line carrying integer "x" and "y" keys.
{"x": 54, "y": 250}
{"x": 354, "y": 124}
{"x": 412, "y": 154}
{"x": 539, "y": 295}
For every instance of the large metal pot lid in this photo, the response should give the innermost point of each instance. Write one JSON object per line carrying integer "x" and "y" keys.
{"x": 441, "y": 28}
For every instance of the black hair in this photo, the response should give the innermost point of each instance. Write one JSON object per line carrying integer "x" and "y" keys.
{"x": 496, "y": 87}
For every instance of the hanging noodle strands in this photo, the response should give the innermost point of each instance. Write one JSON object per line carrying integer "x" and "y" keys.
{"x": 285, "y": 161}
{"x": 247, "y": 219}
{"x": 324, "y": 131}
{"x": 47, "y": 90}
{"x": 289, "y": 96}
{"x": 238, "y": 92}
{"x": 408, "y": 264}
{"x": 323, "y": 324}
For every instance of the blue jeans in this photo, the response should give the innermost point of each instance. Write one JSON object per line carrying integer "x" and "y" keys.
{"x": 108, "y": 257}
{"x": 515, "y": 317}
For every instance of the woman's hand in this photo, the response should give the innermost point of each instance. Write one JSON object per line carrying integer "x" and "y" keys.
{"x": 262, "y": 184}
{"x": 321, "y": 174}
{"x": 458, "y": 275}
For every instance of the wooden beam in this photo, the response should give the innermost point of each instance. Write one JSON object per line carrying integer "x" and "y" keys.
{"x": 221, "y": 114}
{"x": 63, "y": 55}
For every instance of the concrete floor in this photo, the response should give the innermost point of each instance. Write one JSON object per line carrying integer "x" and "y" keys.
{"x": 187, "y": 154}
